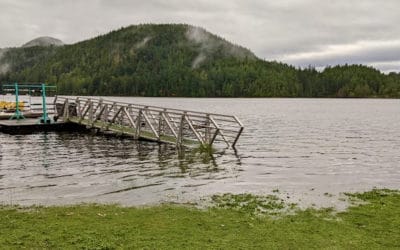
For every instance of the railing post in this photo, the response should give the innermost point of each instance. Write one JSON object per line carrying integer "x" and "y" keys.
{"x": 160, "y": 124}
{"x": 104, "y": 117}
{"x": 97, "y": 110}
{"x": 91, "y": 112}
{"x": 54, "y": 105}
{"x": 179, "y": 140}
{"x": 105, "y": 114}
{"x": 207, "y": 133}
{"x": 129, "y": 109}
{"x": 78, "y": 107}
{"x": 138, "y": 124}
{"x": 66, "y": 110}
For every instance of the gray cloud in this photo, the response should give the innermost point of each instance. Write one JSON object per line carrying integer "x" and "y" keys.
{"x": 300, "y": 32}
{"x": 142, "y": 43}
{"x": 386, "y": 66}
{"x": 4, "y": 67}
{"x": 201, "y": 37}
{"x": 355, "y": 53}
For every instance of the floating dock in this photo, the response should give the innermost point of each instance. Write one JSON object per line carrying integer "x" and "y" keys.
{"x": 30, "y": 125}
{"x": 173, "y": 126}
{"x": 6, "y": 116}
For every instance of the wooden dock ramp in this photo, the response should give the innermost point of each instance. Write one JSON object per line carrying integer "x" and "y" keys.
{"x": 174, "y": 126}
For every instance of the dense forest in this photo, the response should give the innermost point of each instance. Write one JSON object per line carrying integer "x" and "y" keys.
{"x": 182, "y": 60}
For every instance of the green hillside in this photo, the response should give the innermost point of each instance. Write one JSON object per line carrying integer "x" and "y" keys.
{"x": 181, "y": 60}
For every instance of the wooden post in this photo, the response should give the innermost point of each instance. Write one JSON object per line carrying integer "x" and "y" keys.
{"x": 207, "y": 132}
{"x": 138, "y": 124}
{"x": 129, "y": 111}
{"x": 78, "y": 107}
{"x": 91, "y": 113}
{"x": 54, "y": 105}
{"x": 160, "y": 124}
{"x": 104, "y": 117}
{"x": 179, "y": 140}
{"x": 66, "y": 110}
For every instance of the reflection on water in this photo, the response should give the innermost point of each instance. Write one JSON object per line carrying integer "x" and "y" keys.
{"x": 303, "y": 147}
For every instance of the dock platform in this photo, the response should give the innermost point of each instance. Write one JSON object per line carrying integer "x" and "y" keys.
{"x": 6, "y": 116}
{"x": 29, "y": 125}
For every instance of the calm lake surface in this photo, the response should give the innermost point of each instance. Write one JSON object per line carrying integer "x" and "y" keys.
{"x": 311, "y": 150}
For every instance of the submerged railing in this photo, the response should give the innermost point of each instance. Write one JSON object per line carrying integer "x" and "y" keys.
{"x": 180, "y": 127}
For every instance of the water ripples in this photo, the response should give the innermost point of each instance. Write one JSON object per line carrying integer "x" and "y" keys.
{"x": 295, "y": 145}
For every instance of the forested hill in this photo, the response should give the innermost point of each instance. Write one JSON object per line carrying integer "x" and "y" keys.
{"x": 181, "y": 60}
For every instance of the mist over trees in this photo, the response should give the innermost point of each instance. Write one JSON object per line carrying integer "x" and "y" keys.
{"x": 182, "y": 60}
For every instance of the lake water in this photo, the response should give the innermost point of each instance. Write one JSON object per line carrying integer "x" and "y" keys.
{"x": 311, "y": 150}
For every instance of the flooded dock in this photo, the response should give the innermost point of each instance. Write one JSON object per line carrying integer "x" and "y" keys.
{"x": 160, "y": 124}
{"x": 32, "y": 125}
{"x": 141, "y": 122}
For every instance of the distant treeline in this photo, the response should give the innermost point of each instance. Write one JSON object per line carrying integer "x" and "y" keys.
{"x": 182, "y": 60}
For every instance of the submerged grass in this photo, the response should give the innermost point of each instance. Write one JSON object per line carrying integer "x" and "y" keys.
{"x": 252, "y": 204}
{"x": 231, "y": 224}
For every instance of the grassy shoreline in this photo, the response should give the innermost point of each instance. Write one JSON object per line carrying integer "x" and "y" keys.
{"x": 239, "y": 222}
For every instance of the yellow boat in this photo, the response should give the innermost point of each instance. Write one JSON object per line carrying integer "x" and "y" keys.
{"x": 11, "y": 106}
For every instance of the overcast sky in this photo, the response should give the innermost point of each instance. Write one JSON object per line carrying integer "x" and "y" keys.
{"x": 298, "y": 32}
